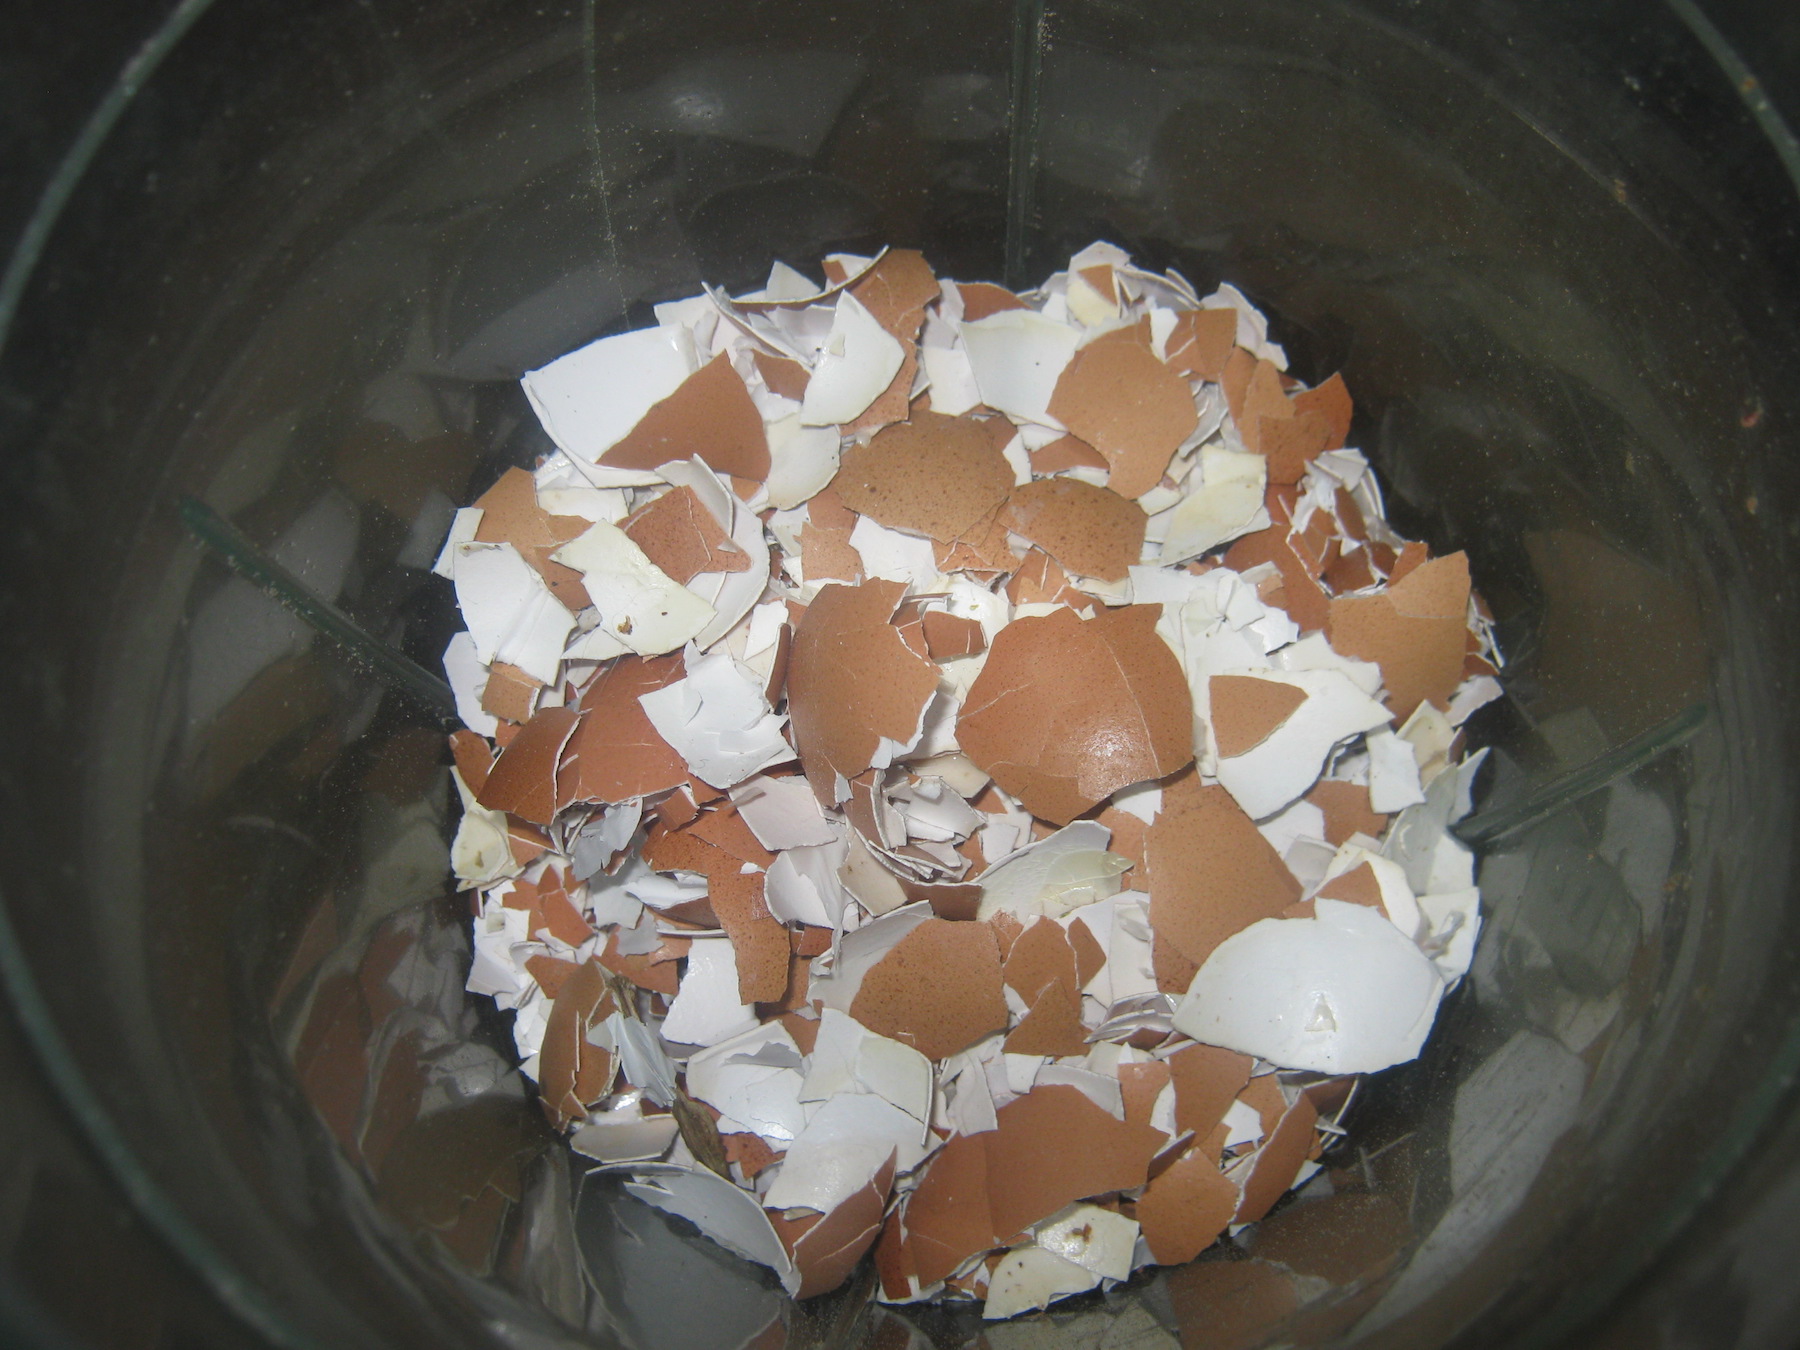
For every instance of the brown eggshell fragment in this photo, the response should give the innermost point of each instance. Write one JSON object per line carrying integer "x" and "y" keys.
{"x": 758, "y": 938}
{"x": 982, "y": 298}
{"x": 474, "y": 757}
{"x": 1259, "y": 396}
{"x": 1246, "y": 710}
{"x": 510, "y": 514}
{"x": 1358, "y": 886}
{"x": 751, "y": 1152}
{"x": 956, "y": 900}
{"x": 1353, "y": 571}
{"x": 1067, "y": 452}
{"x": 1174, "y": 972}
{"x": 550, "y": 972}
{"x": 616, "y": 754}
{"x": 1346, "y": 810}
{"x": 643, "y": 970}
{"x": 984, "y": 550}
{"x": 784, "y": 377}
{"x": 1037, "y": 580}
{"x": 896, "y": 291}
{"x": 1207, "y": 1080}
{"x": 1412, "y": 555}
{"x": 568, "y": 1066}
{"x": 1134, "y": 410}
{"x": 949, "y": 1217}
{"x": 1263, "y": 1094}
{"x": 1186, "y": 1207}
{"x": 509, "y": 693}
{"x": 829, "y": 1249}
{"x": 725, "y": 829}
{"x": 1292, "y": 443}
{"x": 851, "y": 681}
{"x": 949, "y": 636}
{"x": 825, "y": 548}
{"x": 679, "y": 535}
{"x": 1202, "y": 341}
{"x": 1302, "y": 597}
{"x": 1140, "y": 1085}
{"x": 1066, "y": 712}
{"x": 523, "y": 779}
{"x": 1089, "y": 954}
{"x": 937, "y": 476}
{"x": 938, "y": 990}
{"x": 710, "y": 416}
{"x": 1212, "y": 873}
{"x": 1331, "y": 400}
{"x": 1007, "y": 931}
{"x": 1052, "y": 1027}
{"x": 1278, "y": 1161}
{"x": 1414, "y": 631}
{"x": 1041, "y": 956}
{"x": 1092, "y": 531}
{"x": 1054, "y": 1146}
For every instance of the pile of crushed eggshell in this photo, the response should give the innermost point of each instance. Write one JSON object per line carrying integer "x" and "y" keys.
{"x": 958, "y": 774}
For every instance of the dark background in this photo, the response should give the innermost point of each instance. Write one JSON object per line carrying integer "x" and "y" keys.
{"x": 77, "y": 1266}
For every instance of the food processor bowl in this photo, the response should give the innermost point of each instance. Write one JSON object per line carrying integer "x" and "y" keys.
{"x": 264, "y": 331}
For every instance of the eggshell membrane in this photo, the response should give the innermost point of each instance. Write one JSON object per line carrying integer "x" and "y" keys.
{"x": 523, "y": 780}
{"x": 710, "y": 415}
{"x": 936, "y": 476}
{"x": 852, "y": 680}
{"x": 1066, "y": 712}
{"x": 1211, "y": 872}
{"x": 1245, "y": 710}
{"x": 1414, "y": 631}
{"x": 1186, "y": 1207}
{"x": 1092, "y": 531}
{"x": 938, "y": 990}
{"x": 1116, "y": 396}
{"x": 679, "y": 535}
{"x": 510, "y": 514}
{"x": 615, "y": 754}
